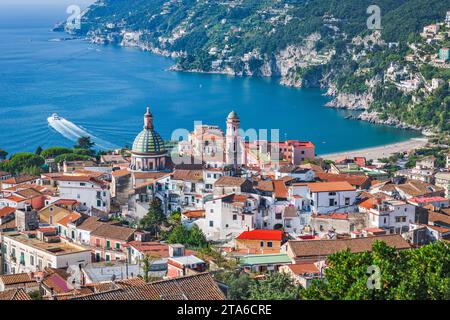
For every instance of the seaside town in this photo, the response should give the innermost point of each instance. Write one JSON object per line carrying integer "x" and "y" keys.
{"x": 221, "y": 211}
{"x": 176, "y": 221}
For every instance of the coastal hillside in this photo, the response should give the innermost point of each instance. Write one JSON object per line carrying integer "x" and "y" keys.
{"x": 394, "y": 74}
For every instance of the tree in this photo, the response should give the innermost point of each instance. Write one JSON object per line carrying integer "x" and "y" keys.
{"x": 276, "y": 286}
{"x": 71, "y": 157}
{"x": 196, "y": 237}
{"x": 179, "y": 234}
{"x": 154, "y": 217}
{"x": 3, "y": 154}
{"x": 84, "y": 143}
{"x": 52, "y": 152}
{"x": 146, "y": 265}
{"x": 422, "y": 273}
{"x": 238, "y": 284}
{"x": 38, "y": 150}
{"x": 24, "y": 162}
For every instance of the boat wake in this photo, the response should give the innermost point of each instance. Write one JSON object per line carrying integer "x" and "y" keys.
{"x": 72, "y": 132}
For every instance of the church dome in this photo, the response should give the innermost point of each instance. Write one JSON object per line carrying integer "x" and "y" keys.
{"x": 148, "y": 141}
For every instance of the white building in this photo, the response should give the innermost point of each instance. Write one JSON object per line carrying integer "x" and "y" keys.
{"x": 392, "y": 215}
{"x": 24, "y": 253}
{"x": 327, "y": 197}
{"x": 90, "y": 192}
{"x": 228, "y": 216}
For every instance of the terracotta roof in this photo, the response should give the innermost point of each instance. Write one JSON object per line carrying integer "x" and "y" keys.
{"x": 428, "y": 199}
{"x": 18, "y": 278}
{"x": 280, "y": 189}
{"x": 440, "y": 229}
{"x": 195, "y": 287}
{"x": 439, "y": 217}
{"x": 330, "y": 186}
{"x": 6, "y": 211}
{"x": 90, "y": 224}
{"x": 265, "y": 185}
{"x": 15, "y": 198}
{"x": 120, "y": 173}
{"x": 69, "y": 218}
{"x": 29, "y": 193}
{"x": 20, "y": 179}
{"x": 334, "y": 215}
{"x": 314, "y": 248}
{"x": 67, "y": 202}
{"x": 226, "y": 181}
{"x": 194, "y": 214}
{"x": 301, "y": 268}
{"x": 187, "y": 175}
{"x": 416, "y": 188}
{"x": 109, "y": 231}
{"x": 275, "y": 235}
{"x": 15, "y": 294}
{"x": 354, "y": 180}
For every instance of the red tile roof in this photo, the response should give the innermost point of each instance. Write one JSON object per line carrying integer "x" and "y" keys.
{"x": 6, "y": 211}
{"x": 274, "y": 235}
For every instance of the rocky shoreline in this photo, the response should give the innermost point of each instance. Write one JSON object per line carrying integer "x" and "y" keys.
{"x": 283, "y": 68}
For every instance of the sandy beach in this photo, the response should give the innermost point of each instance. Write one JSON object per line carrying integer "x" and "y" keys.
{"x": 379, "y": 152}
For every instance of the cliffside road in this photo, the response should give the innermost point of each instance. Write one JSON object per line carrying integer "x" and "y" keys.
{"x": 379, "y": 152}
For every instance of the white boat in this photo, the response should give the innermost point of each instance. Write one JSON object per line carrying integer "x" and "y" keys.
{"x": 55, "y": 117}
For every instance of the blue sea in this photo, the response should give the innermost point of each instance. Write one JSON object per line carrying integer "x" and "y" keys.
{"x": 103, "y": 91}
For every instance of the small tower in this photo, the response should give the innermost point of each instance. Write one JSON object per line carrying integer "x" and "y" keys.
{"x": 148, "y": 120}
{"x": 232, "y": 140}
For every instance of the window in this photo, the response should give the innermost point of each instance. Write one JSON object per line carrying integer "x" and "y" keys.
{"x": 97, "y": 256}
{"x": 270, "y": 244}
{"x": 99, "y": 203}
{"x": 211, "y": 223}
{"x": 331, "y": 193}
{"x": 82, "y": 184}
{"x": 22, "y": 258}
{"x": 331, "y": 202}
{"x": 211, "y": 210}
{"x": 261, "y": 244}
{"x": 108, "y": 244}
{"x": 107, "y": 257}
{"x": 117, "y": 245}
{"x": 234, "y": 216}
{"x": 73, "y": 234}
{"x": 347, "y": 201}
{"x": 31, "y": 261}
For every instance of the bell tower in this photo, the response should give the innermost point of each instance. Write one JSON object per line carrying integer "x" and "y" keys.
{"x": 232, "y": 140}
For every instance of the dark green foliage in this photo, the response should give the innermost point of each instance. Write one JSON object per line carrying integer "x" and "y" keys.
{"x": 192, "y": 237}
{"x": 52, "y": 152}
{"x": 3, "y": 154}
{"x": 71, "y": 157}
{"x": 418, "y": 274}
{"x": 276, "y": 286}
{"x": 23, "y": 162}
{"x": 154, "y": 218}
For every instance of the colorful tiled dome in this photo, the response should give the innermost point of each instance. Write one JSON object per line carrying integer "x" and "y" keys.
{"x": 148, "y": 141}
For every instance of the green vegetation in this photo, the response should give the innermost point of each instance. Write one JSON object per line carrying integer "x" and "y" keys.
{"x": 418, "y": 274}
{"x": 192, "y": 237}
{"x": 3, "y": 154}
{"x": 273, "y": 286}
{"x": 23, "y": 162}
{"x": 154, "y": 218}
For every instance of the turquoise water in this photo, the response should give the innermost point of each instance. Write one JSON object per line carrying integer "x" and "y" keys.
{"x": 103, "y": 90}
